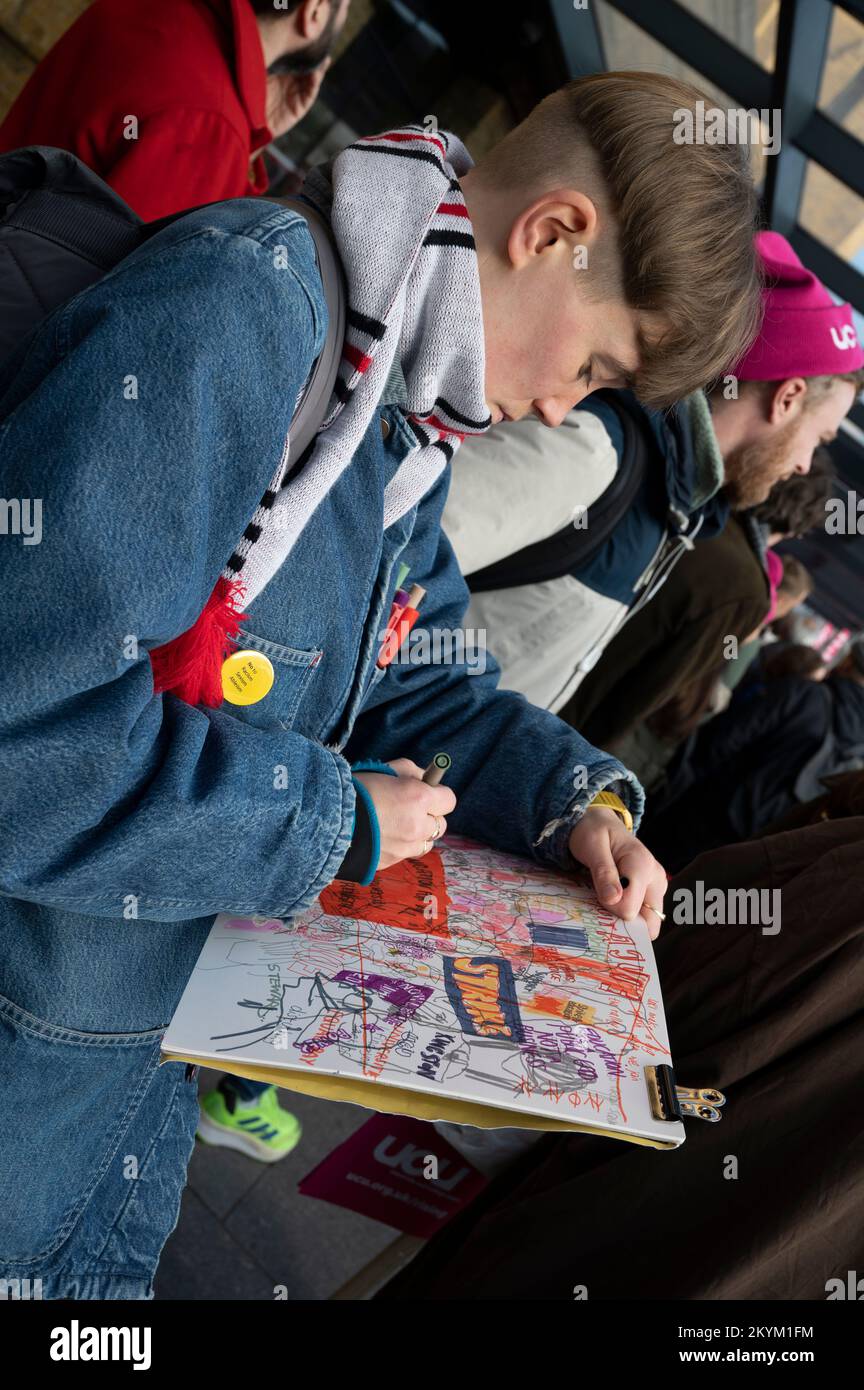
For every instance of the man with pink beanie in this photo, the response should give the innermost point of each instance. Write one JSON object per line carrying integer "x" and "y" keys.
{"x": 764, "y": 420}
{"x": 569, "y": 553}
{"x": 799, "y": 378}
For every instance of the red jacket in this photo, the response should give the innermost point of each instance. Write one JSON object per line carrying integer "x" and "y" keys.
{"x": 192, "y": 73}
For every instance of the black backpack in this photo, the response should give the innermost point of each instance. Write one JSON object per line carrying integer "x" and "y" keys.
{"x": 62, "y": 228}
{"x": 574, "y": 546}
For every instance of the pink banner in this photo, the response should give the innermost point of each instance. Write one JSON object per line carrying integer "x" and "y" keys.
{"x": 396, "y": 1170}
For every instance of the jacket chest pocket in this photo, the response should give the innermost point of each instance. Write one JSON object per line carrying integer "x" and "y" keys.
{"x": 367, "y": 672}
{"x": 293, "y": 675}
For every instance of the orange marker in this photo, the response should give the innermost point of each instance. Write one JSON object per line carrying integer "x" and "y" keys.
{"x": 399, "y": 629}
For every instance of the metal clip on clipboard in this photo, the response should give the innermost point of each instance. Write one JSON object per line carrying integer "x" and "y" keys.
{"x": 672, "y": 1102}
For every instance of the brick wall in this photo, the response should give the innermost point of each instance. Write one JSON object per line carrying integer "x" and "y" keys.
{"x": 28, "y": 28}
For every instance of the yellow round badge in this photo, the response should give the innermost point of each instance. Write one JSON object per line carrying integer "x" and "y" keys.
{"x": 246, "y": 677}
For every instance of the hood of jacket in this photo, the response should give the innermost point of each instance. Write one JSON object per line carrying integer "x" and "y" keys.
{"x": 693, "y": 473}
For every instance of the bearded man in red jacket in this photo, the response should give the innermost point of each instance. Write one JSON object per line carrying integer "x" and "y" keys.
{"x": 172, "y": 101}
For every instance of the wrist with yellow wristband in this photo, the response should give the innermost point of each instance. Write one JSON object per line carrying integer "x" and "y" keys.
{"x": 614, "y": 803}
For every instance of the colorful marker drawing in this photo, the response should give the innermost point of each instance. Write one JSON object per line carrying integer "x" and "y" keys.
{"x": 470, "y": 975}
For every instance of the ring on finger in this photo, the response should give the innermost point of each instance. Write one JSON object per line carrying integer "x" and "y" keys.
{"x": 426, "y": 846}
{"x": 439, "y": 827}
{"x": 652, "y": 908}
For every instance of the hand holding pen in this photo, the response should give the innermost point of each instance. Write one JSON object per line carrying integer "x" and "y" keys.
{"x": 411, "y": 808}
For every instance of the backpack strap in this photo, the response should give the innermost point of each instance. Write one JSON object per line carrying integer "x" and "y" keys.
{"x": 310, "y": 413}
{"x": 574, "y": 546}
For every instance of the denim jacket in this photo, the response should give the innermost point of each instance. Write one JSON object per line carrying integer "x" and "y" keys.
{"x": 148, "y": 416}
{"x": 146, "y": 485}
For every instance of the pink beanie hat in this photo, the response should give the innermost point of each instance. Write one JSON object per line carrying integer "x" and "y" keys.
{"x": 803, "y": 333}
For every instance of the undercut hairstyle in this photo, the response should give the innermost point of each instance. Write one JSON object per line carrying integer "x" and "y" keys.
{"x": 797, "y": 504}
{"x": 677, "y": 220}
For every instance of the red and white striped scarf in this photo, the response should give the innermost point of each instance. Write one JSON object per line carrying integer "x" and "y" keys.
{"x": 406, "y": 243}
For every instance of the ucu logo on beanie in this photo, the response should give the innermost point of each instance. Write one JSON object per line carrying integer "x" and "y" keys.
{"x": 803, "y": 332}
{"x": 845, "y": 338}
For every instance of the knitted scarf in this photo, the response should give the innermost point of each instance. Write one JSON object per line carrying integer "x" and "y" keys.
{"x": 403, "y": 234}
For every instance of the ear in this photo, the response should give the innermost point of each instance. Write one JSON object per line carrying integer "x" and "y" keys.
{"x": 311, "y": 18}
{"x": 564, "y": 215}
{"x": 787, "y": 400}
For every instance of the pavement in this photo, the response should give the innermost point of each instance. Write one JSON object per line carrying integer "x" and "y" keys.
{"x": 246, "y": 1233}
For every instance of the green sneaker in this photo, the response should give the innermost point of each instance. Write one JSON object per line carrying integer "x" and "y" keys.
{"x": 259, "y": 1128}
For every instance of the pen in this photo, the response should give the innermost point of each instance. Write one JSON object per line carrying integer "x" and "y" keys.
{"x": 434, "y": 774}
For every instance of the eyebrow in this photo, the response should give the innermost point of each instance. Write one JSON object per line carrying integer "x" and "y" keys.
{"x": 616, "y": 368}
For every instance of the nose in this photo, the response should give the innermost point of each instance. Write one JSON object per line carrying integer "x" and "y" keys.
{"x": 553, "y": 409}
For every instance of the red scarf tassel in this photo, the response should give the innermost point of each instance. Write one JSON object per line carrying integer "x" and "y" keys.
{"x": 190, "y": 665}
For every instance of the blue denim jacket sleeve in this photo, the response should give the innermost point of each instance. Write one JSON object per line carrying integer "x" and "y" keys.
{"x": 522, "y": 776}
{"x": 140, "y": 421}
